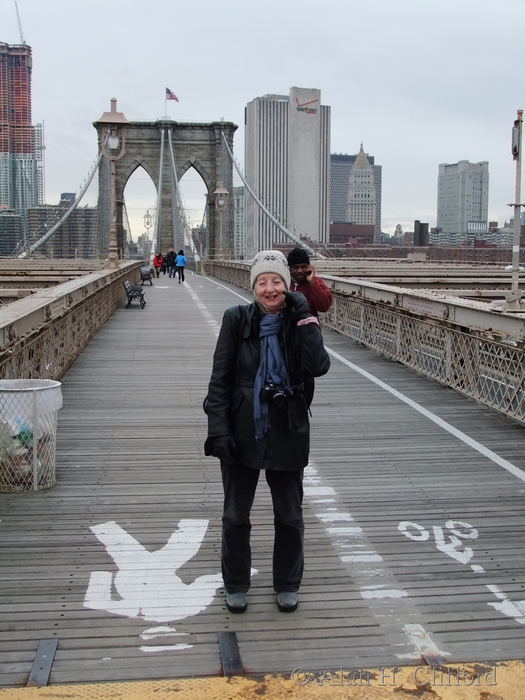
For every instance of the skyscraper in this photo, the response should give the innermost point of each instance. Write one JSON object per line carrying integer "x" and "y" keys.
{"x": 340, "y": 167}
{"x": 287, "y": 163}
{"x": 21, "y": 174}
{"x": 74, "y": 238}
{"x": 361, "y": 197}
{"x": 463, "y": 193}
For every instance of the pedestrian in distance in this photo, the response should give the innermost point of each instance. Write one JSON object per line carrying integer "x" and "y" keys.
{"x": 258, "y": 421}
{"x": 180, "y": 261}
{"x": 170, "y": 261}
{"x": 157, "y": 264}
{"x": 317, "y": 294}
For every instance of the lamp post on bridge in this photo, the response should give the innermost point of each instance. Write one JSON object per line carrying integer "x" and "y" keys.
{"x": 147, "y": 225}
{"x": 512, "y": 298}
{"x": 113, "y": 136}
{"x": 221, "y": 201}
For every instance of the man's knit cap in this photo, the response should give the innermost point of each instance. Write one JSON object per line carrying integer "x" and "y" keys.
{"x": 298, "y": 256}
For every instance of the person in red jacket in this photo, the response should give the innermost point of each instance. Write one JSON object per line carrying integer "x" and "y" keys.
{"x": 304, "y": 280}
{"x": 317, "y": 294}
{"x": 157, "y": 264}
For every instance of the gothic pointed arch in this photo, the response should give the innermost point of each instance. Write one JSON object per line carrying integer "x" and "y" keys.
{"x": 196, "y": 145}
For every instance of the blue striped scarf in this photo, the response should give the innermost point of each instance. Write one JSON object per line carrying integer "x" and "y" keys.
{"x": 272, "y": 370}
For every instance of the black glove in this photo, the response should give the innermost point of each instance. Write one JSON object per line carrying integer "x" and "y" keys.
{"x": 299, "y": 304}
{"x": 224, "y": 448}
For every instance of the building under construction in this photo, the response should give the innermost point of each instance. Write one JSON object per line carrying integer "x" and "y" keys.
{"x": 21, "y": 163}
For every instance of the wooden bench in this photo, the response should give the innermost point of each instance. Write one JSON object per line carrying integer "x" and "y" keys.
{"x": 134, "y": 292}
{"x": 146, "y": 273}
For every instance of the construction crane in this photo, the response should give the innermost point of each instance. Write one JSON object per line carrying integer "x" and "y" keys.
{"x": 23, "y": 41}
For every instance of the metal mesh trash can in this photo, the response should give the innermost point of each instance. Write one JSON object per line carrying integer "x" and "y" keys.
{"x": 28, "y": 426}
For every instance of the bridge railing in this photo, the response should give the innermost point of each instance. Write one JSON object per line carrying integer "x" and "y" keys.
{"x": 463, "y": 344}
{"x": 41, "y": 335}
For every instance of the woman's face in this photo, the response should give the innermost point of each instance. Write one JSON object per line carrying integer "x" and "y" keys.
{"x": 269, "y": 288}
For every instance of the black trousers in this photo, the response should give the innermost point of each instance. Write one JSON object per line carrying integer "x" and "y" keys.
{"x": 286, "y": 488}
{"x": 180, "y": 271}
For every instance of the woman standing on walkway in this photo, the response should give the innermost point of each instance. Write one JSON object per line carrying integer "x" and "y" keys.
{"x": 180, "y": 261}
{"x": 258, "y": 420}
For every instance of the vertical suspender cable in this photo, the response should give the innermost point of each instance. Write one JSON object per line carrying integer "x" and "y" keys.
{"x": 177, "y": 225}
{"x": 156, "y": 231}
{"x": 182, "y": 218}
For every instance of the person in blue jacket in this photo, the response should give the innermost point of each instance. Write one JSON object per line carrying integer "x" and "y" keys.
{"x": 180, "y": 261}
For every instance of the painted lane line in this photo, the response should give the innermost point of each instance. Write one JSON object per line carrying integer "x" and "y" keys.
{"x": 361, "y": 557}
{"x": 320, "y": 491}
{"x": 175, "y": 647}
{"x": 161, "y": 631}
{"x": 223, "y": 286}
{"x": 209, "y": 318}
{"x": 334, "y": 517}
{"x": 496, "y": 591}
{"x": 432, "y": 416}
{"x": 340, "y": 531}
{"x": 363, "y": 563}
{"x": 343, "y": 538}
{"x": 386, "y": 593}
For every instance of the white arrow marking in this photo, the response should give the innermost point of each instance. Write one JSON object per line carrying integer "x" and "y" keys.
{"x": 146, "y": 582}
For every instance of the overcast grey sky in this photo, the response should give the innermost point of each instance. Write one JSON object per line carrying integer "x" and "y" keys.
{"x": 418, "y": 82}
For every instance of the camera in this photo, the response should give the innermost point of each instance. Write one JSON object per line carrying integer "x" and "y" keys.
{"x": 275, "y": 394}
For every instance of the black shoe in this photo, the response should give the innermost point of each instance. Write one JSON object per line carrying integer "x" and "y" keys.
{"x": 287, "y": 601}
{"x": 236, "y": 602}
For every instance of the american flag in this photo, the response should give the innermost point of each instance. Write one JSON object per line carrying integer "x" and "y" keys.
{"x": 171, "y": 95}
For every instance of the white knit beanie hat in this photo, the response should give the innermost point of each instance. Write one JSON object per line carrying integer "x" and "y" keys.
{"x": 270, "y": 261}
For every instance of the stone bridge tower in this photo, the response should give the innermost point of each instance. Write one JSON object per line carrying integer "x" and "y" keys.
{"x": 196, "y": 145}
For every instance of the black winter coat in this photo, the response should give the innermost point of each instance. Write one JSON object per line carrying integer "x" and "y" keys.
{"x": 286, "y": 444}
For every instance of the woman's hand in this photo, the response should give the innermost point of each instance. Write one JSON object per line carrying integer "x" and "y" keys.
{"x": 224, "y": 448}
{"x": 299, "y": 304}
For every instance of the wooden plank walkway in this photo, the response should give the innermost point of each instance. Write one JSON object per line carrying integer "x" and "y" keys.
{"x": 411, "y": 529}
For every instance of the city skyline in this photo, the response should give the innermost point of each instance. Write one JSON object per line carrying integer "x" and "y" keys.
{"x": 419, "y": 84}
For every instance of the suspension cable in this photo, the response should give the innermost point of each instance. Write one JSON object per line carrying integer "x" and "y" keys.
{"x": 156, "y": 231}
{"x": 261, "y": 205}
{"x": 68, "y": 213}
{"x": 126, "y": 228}
{"x": 182, "y": 211}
